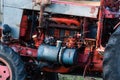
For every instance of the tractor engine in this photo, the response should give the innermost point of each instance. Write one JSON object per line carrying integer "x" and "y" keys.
{"x": 56, "y": 36}
{"x": 61, "y": 39}
{"x": 61, "y": 43}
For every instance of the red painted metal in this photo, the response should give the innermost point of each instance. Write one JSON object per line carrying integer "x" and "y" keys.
{"x": 24, "y": 51}
{"x": 60, "y": 69}
{"x": 85, "y": 27}
{"x": 64, "y": 26}
{"x": 93, "y": 63}
{"x": 91, "y": 59}
{"x": 70, "y": 42}
{"x": 100, "y": 23}
{"x": 39, "y": 38}
{"x": 4, "y": 72}
{"x": 56, "y": 33}
{"x": 66, "y": 21}
{"x": 82, "y": 60}
{"x": 97, "y": 61}
{"x": 88, "y": 59}
{"x": 24, "y": 24}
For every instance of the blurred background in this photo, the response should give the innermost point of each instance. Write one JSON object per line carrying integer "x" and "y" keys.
{"x": 0, "y": 12}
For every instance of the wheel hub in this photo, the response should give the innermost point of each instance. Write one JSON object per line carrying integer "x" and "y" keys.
{"x": 4, "y": 72}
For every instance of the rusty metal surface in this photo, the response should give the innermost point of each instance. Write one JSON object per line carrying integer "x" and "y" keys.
{"x": 63, "y": 27}
{"x": 77, "y": 9}
{"x": 21, "y": 4}
{"x": 81, "y": 8}
{"x": 100, "y": 24}
{"x": 80, "y": 2}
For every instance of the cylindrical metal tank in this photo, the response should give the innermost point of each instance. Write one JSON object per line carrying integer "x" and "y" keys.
{"x": 60, "y": 55}
{"x": 69, "y": 57}
{"x": 48, "y": 53}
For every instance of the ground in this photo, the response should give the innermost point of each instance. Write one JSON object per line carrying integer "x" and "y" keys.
{"x": 71, "y": 77}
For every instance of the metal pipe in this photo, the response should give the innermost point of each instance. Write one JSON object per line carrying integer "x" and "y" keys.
{"x": 100, "y": 24}
{"x": 116, "y": 26}
{"x": 59, "y": 43}
{"x": 42, "y": 7}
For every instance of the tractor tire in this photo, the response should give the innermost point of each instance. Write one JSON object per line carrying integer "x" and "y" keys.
{"x": 12, "y": 61}
{"x": 111, "y": 62}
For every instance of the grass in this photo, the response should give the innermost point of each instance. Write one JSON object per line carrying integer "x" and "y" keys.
{"x": 73, "y": 77}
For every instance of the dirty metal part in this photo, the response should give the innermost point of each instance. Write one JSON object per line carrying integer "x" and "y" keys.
{"x": 59, "y": 43}
{"x": 24, "y": 51}
{"x": 24, "y": 24}
{"x": 100, "y": 24}
{"x": 61, "y": 69}
{"x": 42, "y": 7}
{"x": 69, "y": 8}
{"x": 6, "y": 29}
{"x": 116, "y": 26}
{"x": 70, "y": 42}
{"x": 69, "y": 57}
{"x": 42, "y": 2}
{"x": 57, "y": 54}
{"x": 48, "y": 53}
{"x": 66, "y": 21}
{"x": 38, "y": 38}
{"x": 64, "y": 26}
{"x": 90, "y": 42}
{"x": 64, "y": 56}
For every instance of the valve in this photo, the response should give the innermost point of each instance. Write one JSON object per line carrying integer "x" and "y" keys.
{"x": 42, "y": 4}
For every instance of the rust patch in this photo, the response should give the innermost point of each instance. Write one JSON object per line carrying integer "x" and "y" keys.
{"x": 93, "y": 9}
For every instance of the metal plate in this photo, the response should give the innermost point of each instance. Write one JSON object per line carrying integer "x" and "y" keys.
{"x": 82, "y": 8}
{"x": 12, "y": 17}
{"x": 70, "y": 9}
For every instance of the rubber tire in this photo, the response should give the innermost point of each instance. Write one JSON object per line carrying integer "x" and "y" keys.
{"x": 14, "y": 61}
{"x": 111, "y": 62}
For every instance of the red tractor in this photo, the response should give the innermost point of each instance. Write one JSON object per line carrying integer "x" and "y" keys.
{"x": 41, "y": 38}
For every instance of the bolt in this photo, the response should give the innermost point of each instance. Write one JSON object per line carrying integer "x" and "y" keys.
{"x": 29, "y": 52}
{"x": 41, "y": 73}
{"x": 4, "y": 71}
{"x": 0, "y": 76}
